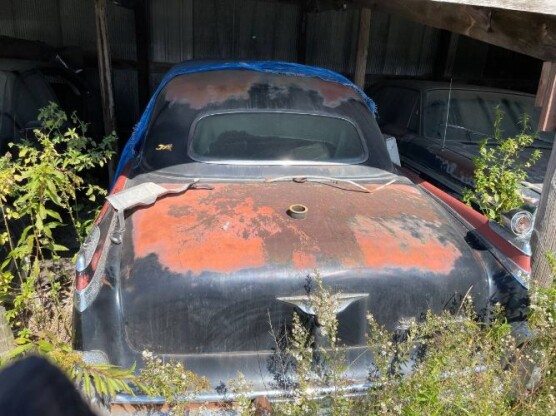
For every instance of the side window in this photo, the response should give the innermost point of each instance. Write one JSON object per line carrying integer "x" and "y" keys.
{"x": 398, "y": 106}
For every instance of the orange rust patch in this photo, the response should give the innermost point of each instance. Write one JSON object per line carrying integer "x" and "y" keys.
{"x": 215, "y": 87}
{"x": 392, "y": 244}
{"x": 200, "y": 89}
{"x": 302, "y": 260}
{"x": 245, "y": 226}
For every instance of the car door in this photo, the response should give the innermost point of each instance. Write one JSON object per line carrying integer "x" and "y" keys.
{"x": 444, "y": 149}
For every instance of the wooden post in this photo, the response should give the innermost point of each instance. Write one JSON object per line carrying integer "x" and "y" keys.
{"x": 362, "y": 47}
{"x": 142, "y": 45}
{"x": 546, "y": 97}
{"x": 105, "y": 76}
{"x": 543, "y": 239}
{"x": 104, "y": 67}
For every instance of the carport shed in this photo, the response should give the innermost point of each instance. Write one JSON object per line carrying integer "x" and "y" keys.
{"x": 508, "y": 43}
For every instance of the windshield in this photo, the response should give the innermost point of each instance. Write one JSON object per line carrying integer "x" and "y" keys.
{"x": 275, "y": 137}
{"x": 472, "y": 114}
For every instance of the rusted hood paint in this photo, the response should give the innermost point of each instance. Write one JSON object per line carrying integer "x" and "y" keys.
{"x": 245, "y": 226}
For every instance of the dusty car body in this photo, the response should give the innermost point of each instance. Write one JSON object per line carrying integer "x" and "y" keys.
{"x": 439, "y": 128}
{"x": 197, "y": 255}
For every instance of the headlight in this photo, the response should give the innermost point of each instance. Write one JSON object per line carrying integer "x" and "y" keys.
{"x": 520, "y": 222}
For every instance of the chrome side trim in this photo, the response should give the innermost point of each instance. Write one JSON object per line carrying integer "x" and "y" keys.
{"x": 272, "y": 395}
{"x": 83, "y": 298}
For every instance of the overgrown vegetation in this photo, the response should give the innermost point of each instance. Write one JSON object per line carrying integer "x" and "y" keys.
{"x": 170, "y": 380}
{"x": 42, "y": 189}
{"x": 447, "y": 364}
{"x": 499, "y": 172}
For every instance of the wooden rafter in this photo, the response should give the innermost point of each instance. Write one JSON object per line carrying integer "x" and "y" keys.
{"x": 531, "y": 6}
{"x": 532, "y": 34}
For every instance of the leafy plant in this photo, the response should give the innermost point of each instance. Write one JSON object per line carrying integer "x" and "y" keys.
{"x": 102, "y": 380}
{"x": 498, "y": 172}
{"x": 317, "y": 356}
{"x": 44, "y": 183}
{"x": 170, "y": 380}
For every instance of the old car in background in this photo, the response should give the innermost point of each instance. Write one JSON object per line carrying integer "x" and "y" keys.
{"x": 27, "y": 86}
{"x": 239, "y": 181}
{"x": 439, "y": 129}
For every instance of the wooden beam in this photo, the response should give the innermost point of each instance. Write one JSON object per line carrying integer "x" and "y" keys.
{"x": 546, "y": 97}
{"x": 531, "y": 6}
{"x": 104, "y": 67}
{"x": 543, "y": 240}
{"x": 362, "y": 47}
{"x": 142, "y": 45}
{"x": 528, "y": 33}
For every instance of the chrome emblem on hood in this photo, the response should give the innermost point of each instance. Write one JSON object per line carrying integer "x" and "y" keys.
{"x": 304, "y": 303}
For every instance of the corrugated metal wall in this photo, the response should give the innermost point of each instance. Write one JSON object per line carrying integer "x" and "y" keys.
{"x": 236, "y": 29}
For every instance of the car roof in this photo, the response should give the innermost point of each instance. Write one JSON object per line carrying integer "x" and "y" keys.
{"x": 424, "y": 85}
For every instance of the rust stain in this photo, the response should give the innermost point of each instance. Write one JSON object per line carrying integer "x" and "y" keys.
{"x": 215, "y": 87}
{"x": 394, "y": 245}
{"x": 302, "y": 260}
{"x": 457, "y": 166}
{"x": 245, "y": 226}
{"x": 202, "y": 88}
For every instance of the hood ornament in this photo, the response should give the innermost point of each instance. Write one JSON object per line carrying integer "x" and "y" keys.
{"x": 303, "y": 302}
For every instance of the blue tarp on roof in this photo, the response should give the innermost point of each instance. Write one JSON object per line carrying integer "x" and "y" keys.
{"x": 274, "y": 67}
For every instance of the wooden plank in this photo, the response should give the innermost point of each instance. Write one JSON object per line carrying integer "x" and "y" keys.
{"x": 105, "y": 77}
{"x": 543, "y": 240}
{"x": 528, "y": 33}
{"x": 543, "y": 83}
{"x": 362, "y": 47}
{"x": 547, "y": 121}
{"x": 104, "y": 67}
{"x": 532, "y": 6}
{"x": 142, "y": 44}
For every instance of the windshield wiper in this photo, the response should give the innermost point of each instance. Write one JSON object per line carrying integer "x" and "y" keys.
{"x": 312, "y": 178}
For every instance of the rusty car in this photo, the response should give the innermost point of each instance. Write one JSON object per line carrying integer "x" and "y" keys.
{"x": 239, "y": 181}
{"x": 439, "y": 128}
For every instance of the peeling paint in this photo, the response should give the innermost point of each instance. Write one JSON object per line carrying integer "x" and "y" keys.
{"x": 245, "y": 226}
{"x": 199, "y": 90}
